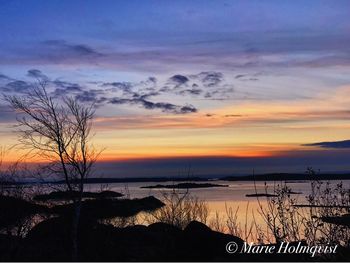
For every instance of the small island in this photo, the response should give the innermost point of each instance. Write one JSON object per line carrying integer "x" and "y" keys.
{"x": 261, "y": 195}
{"x": 68, "y": 195}
{"x": 270, "y": 195}
{"x": 185, "y": 185}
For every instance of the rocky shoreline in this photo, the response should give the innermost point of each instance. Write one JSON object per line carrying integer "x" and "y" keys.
{"x": 50, "y": 241}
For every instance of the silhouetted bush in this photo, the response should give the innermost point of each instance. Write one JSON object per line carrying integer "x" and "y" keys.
{"x": 180, "y": 209}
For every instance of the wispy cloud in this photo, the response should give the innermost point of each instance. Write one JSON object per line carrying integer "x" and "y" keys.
{"x": 5, "y": 77}
{"x": 67, "y": 49}
{"x": 271, "y": 49}
{"x": 18, "y": 86}
{"x": 35, "y": 73}
{"x": 168, "y": 97}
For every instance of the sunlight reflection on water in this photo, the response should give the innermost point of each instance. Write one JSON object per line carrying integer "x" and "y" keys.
{"x": 221, "y": 198}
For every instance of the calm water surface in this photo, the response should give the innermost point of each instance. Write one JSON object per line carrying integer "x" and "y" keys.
{"x": 221, "y": 198}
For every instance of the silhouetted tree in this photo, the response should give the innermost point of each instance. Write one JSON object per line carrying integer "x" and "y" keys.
{"x": 58, "y": 130}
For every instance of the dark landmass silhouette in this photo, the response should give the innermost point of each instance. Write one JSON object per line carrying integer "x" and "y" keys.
{"x": 261, "y": 195}
{"x": 206, "y": 178}
{"x": 185, "y": 186}
{"x": 13, "y": 210}
{"x": 270, "y": 195}
{"x": 50, "y": 239}
{"x": 67, "y": 195}
{"x": 343, "y": 220}
{"x": 109, "y": 208}
{"x": 288, "y": 177}
{"x": 96, "y": 180}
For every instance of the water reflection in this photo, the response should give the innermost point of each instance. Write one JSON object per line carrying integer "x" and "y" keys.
{"x": 221, "y": 199}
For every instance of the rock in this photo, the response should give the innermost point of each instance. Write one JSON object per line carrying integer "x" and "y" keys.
{"x": 13, "y": 210}
{"x": 201, "y": 243}
{"x": 197, "y": 227}
{"x": 8, "y": 247}
{"x": 164, "y": 228}
{"x": 50, "y": 241}
{"x": 157, "y": 242}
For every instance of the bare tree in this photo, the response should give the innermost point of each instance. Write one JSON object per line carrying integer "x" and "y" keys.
{"x": 180, "y": 209}
{"x": 60, "y": 132}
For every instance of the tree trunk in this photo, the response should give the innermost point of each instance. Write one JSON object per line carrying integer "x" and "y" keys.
{"x": 75, "y": 226}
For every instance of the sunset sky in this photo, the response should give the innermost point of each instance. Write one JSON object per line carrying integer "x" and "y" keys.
{"x": 223, "y": 86}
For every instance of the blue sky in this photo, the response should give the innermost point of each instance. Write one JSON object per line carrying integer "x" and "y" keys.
{"x": 184, "y": 27}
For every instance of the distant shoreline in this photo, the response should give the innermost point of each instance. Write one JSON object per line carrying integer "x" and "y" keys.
{"x": 288, "y": 177}
{"x": 258, "y": 177}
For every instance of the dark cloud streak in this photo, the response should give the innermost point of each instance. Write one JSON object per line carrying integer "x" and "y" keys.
{"x": 331, "y": 145}
{"x": 163, "y": 106}
{"x": 35, "y": 73}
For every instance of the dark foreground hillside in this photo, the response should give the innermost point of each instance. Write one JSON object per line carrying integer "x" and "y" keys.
{"x": 50, "y": 241}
